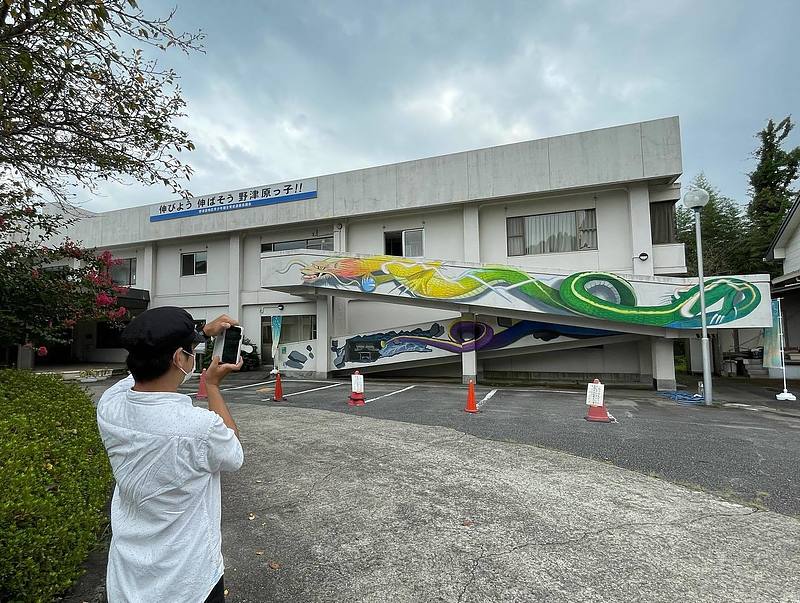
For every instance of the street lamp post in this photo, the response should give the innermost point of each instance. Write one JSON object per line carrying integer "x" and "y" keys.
{"x": 696, "y": 200}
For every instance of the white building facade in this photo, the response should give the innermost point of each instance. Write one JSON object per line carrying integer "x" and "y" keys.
{"x": 598, "y": 202}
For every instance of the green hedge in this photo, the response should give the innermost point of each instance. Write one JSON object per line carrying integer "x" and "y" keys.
{"x": 54, "y": 482}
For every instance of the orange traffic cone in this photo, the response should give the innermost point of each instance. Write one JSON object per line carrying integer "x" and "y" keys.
{"x": 471, "y": 406}
{"x": 278, "y": 397}
{"x": 598, "y": 414}
{"x": 202, "y": 394}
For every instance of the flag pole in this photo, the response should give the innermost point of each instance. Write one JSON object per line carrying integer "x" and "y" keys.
{"x": 784, "y": 395}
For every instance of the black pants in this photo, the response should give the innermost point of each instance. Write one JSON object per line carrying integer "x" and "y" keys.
{"x": 217, "y": 594}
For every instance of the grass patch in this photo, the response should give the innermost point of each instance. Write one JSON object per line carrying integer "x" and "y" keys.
{"x": 55, "y": 480}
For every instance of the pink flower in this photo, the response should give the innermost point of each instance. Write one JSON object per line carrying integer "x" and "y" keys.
{"x": 42, "y": 351}
{"x": 71, "y": 249}
{"x": 122, "y": 312}
{"x": 107, "y": 259}
{"x": 34, "y": 274}
{"x": 104, "y": 299}
{"x": 120, "y": 290}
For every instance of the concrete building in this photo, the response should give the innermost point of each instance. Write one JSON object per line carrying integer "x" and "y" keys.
{"x": 482, "y": 263}
{"x": 785, "y": 247}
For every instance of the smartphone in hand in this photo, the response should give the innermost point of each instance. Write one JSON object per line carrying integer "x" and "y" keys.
{"x": 228, "y": 346}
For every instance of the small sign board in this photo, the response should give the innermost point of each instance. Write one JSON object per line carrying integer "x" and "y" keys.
{"x": 594, "y": 394}
{"x": 358, "y": 383}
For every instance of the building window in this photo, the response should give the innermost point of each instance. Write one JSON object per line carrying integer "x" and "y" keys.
{"x": 124, "y": 273}
{"x": 552, "y": 233}
{"x": 193, "y": 263}
{"x": 405, "y": 243}
{"x": 323, "y": 243}
{"x": 662, "y": 222}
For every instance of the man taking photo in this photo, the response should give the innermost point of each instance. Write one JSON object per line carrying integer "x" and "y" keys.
{"x": 167, "y": 455}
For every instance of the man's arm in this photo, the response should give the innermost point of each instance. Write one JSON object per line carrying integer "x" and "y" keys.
{"x": 214, "y": 375}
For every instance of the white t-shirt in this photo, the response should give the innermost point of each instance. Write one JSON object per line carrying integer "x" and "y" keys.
{"x": 166, "y": 454}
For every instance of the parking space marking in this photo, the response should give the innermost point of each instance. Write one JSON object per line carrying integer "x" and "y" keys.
{"x": 487, "y": 397}
{"x": 313, "y": 389}
{"x": 399, "y": 391}
{"x": 227, "y": 389}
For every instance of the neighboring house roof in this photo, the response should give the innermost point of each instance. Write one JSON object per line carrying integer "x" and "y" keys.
{"x": 787, "y": 229}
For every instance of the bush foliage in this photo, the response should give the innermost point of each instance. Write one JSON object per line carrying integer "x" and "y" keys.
{"x": 55, "y": 480}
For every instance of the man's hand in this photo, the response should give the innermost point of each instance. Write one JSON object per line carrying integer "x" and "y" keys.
{"x": 216, "y": 372}
{"x": 218, "y": 325}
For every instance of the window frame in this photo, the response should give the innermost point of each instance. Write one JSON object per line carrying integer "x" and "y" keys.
{"x": 270, "y": 247}
{"x": 194, "y": 263}
{"x": 402, "y": 233}
{"x": 578, "y": 230}
{"x": 131, "y": 271}
{"x": 673, "y": 222}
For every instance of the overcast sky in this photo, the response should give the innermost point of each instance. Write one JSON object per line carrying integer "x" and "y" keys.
{"x": 298, "y": 89}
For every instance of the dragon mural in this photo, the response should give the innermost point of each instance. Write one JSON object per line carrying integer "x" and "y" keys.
{"x": 460, "y": 336}
{"x": 600, "y": 295}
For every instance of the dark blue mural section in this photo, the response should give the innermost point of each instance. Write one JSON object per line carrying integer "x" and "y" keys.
{"x": 462, "y": 336}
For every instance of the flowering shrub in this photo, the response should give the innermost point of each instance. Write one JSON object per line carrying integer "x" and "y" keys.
{"x": 48, "y": 284}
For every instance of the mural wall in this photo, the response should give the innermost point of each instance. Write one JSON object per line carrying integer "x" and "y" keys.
{"x": 652, "y": 301}
{"x": 296, "y": 356}
{"x": 443, "y": 338}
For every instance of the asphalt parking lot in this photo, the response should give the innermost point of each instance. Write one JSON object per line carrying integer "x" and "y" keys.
{"x": 409, "y": 498}
{"x": 737, "y": 453}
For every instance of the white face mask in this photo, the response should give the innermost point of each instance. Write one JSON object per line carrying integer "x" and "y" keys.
{"x": 190, "y": 374}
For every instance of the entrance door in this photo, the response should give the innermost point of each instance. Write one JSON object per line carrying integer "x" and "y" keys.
{"x": 266, "y": 341}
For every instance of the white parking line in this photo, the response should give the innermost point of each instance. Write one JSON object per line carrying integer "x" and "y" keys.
{"x": 487, "y": 397}
{"x": 399, "y": 391}
{"x": 314, "y": 389}
{"x": 227, "y": 389}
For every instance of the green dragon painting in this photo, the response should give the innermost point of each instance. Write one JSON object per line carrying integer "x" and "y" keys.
{"x": 599, "y": 295}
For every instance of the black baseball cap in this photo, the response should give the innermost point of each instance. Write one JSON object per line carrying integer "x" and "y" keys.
{"x": 165, "y": 328}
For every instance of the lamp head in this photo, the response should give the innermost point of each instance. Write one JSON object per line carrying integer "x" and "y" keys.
{"x": 695, "y": 199}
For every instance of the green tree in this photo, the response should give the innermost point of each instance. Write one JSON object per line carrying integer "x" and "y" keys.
{"x": 81, "y": 102}
{"x": 771, "y": 192}
{"x": 723, "y": 227}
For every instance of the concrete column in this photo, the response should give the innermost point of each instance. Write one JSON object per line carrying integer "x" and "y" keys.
{"x": 323, "y": 337}
{"x": 146, "y": 273}
{"x": 663, "y": 363}
{"x": 235, "y": 276}
{"x": 341, "y": 317}
{"x": 469, "y": 359}
{"x": 340, "y": 236}
{"x": 641, "y": 237}
{"x": 472, "y": 251}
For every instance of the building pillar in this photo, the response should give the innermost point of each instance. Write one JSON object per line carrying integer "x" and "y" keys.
{"x": 472, "y": 246}
{"x": 235, "y": 277}
{"x": 146, "y": 274}
{"x": 641, "y": 237}
{"x": 341, "y": 317}
{"x": 340, "y": 236}
{"x": 323, "y": 337}
{"x": 469, "y": 358}
{"x": 663, "y": 363}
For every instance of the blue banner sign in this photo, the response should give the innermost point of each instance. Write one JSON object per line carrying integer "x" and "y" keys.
{"x": 245, "y": 198}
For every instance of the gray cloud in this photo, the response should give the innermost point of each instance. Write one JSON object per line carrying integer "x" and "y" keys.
{"x": 290, "y": 90}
